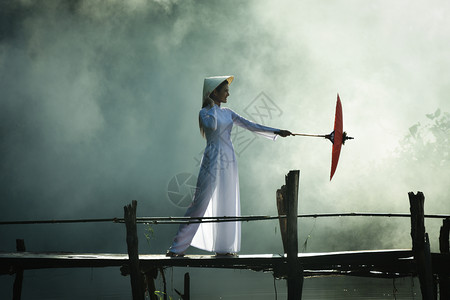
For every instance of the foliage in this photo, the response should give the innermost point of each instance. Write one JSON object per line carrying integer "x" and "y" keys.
{"x": 428, "y": 142}
{"x": 161, "y": 294}
{"x": 149, "y": 234}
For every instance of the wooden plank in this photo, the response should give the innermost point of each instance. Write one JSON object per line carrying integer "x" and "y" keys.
{"x": 376, "y": 263}
{"x": 311, "y": 261}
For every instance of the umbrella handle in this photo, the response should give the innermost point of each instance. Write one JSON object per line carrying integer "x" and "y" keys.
{"x": 327, "y": 136}
{"x": 311, "y": 135}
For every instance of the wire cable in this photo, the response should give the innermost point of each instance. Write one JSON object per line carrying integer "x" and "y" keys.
{"x": 187, "y": 220}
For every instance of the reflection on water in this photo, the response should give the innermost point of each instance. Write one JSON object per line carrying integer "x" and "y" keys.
{"x": 337, "y": 288}
{"x": 361, "y": 288}
{"x": 206, "y": 284}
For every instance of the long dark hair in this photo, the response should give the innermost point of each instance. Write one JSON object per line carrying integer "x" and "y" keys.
{"x": 208, "y": 101}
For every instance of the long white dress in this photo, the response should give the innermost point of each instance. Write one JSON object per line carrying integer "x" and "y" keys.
{"x": 217, "y": 191}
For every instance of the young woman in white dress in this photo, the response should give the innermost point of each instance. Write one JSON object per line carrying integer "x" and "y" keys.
{"x": 217, "y": 190}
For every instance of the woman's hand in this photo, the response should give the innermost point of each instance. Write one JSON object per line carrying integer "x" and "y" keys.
{"x": 284, "y": 133}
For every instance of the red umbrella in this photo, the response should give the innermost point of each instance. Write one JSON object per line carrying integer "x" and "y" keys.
{"x": 337, "y": 136}
{"x": 338, "y": 132}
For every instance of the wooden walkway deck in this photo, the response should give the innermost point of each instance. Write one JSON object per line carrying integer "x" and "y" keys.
{"x": 376, "y": 263}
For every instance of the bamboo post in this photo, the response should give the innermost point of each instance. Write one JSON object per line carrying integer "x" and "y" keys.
{"x": 150, "y": 277}
{"x": 136, "y": 277}
{"x": 187, "y": 287}
{"x": 163, "y": 276}
{"x": 421, "y": 245}
{"x": 282, "y": 211}
{"x": 295, "y": 271}
{"x": 444, "y": 247}
{"x": 17, "y": 288}
{"x": 444, "y": 243}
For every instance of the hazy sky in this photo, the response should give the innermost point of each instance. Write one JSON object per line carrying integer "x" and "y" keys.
{"x": 99, "y": 106}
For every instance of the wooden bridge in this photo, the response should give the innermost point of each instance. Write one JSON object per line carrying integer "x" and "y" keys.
{"x": 433, "y": 269}
{"x": 376, "y": 263}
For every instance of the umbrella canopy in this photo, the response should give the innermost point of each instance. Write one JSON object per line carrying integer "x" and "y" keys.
{"x": 337, "y": 136}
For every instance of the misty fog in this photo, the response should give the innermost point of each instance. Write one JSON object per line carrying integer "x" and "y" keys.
{"x": 99, "y": 106}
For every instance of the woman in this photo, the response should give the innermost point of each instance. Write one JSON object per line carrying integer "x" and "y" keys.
{"x": 217, "y": 191}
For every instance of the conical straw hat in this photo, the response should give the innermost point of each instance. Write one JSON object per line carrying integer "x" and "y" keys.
{"x": 211, "y": 83}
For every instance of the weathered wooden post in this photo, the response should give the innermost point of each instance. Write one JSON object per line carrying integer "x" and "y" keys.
{"x": 282, "y": 211}
{"x": 161, "y": 270}
{"x": 136, "y": 278}
{"x": 444, "y": 247}
{"x": 17, "y": 288}
{"x": 295, "y": 271}
{"x": 150, "y": 277}
{"x": 187, "y": 288}
{"x": 421, "y": 245}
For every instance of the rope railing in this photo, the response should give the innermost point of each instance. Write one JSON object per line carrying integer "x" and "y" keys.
{"x": 115, "y": 220}
{"x": 188, "y": 220}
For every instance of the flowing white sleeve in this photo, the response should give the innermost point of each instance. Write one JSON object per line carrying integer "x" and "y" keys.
{"x": 265, "y": 131}
{"x": 208, "y": 117}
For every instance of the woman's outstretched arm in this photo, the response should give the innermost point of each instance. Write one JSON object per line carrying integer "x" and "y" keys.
{"x": 266, "y": 131}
